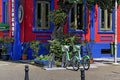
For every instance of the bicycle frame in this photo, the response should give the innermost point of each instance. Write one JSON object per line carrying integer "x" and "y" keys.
{"x": 76, "y": 58}
{"x": 65, "y": 49}
{"x": 78, "y": 51}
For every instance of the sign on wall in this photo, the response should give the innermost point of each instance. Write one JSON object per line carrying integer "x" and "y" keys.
{"x": 20, "y": 13}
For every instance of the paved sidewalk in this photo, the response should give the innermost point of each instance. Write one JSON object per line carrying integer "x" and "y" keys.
{"x": 104, "y": 70}
{"x": 97, "y": 63}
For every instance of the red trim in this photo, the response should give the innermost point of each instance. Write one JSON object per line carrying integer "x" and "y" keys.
{"x": 118, "y": 23}
{"x": 66, "y": 27}
{"x": 10, "y": 17}
{"x": 98, "y": 36}
{"x": 55, "y": 4}
{"x": 26, "y": 26}
{"x": 87, "y": 35}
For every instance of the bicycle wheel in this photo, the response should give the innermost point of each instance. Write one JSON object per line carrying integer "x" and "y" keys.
{"x": 75, "y": 63}
{"x": 64, "y": 60}
{"x": 86, "y": 64}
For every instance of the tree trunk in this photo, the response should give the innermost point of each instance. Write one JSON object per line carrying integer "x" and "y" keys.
{"x": 57, "y": 32}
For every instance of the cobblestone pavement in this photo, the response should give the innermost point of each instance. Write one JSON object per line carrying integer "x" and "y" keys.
{"x": 100, "y": 70}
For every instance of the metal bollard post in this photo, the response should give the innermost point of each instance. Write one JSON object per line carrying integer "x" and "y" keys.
{"x": 51, "y": 60}
{"x": 50, "y": 64}
{"x": 82, "y": 74}
{"x": 26, "y": 72}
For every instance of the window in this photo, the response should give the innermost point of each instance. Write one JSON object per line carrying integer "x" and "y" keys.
{"x": 105, "y": 51}
{"x": 42, "y": 11}
{"x": 105, "y": 20}
{"x": 77, "y": 17}
{"x": 5, "y": 13}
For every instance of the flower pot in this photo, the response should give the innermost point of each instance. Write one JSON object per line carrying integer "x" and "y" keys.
{"x": 91, "y": 61}
{"x": 24, "y": 57}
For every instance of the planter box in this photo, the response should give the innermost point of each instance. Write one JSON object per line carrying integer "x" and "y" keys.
{"x": 43, "y": 62}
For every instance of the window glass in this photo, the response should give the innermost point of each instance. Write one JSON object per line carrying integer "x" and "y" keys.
{"x": 42, "y": 11}
{"x": 6, "y": 17}
{"x": 38, "y": 15}
{"x": 76, "y": 17}
{"x": 106, "y": 20}
{"x": 80, "y": 16}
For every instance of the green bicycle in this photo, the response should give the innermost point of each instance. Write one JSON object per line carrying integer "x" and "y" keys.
{"x": 75, "y": 60}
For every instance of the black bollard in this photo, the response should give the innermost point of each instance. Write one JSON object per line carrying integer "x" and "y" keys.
{"x": 26, "y": 72}
{"x": 82, "y": 74}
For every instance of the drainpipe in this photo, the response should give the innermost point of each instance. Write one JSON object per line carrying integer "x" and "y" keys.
{"x": 115, "y": 56}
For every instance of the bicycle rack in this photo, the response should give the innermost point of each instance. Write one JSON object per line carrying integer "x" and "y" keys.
{"x": 51, "y": 60}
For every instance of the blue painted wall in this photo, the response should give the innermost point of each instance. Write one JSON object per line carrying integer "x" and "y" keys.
{"x": 96, "y": 50}
{"x": 118, "y": 50}
{"x": 17, "y": 47}
{"x": 92, "y": 23}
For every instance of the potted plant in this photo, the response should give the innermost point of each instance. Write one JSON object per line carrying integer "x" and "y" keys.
{"x": 88, "y": 46}
{"x": 42, "y": 60}
{"x": 34, "y": 45}
{"x": 1, "y": 42}
{"x": 5, "y": 46}
{"x": 25, "y": 49}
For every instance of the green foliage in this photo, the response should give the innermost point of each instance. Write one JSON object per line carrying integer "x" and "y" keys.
{"x": 4, "y": 43}
{"x": 41, "y": 57}
{"x": 118, "y": 1}
{"x": 34, "y": 45}
{"x": 56, "y": 44}
{"x": 8, "y": 40}
{"x": 104, "y": 4}
{"x": 75, "y": 1}
{"x": 1, "y": 41}
{"x": 25, "y": 47}
{"x": 57, "y": 16}
{"x": 55, "y": 47}
{"x": 71, "y": 39}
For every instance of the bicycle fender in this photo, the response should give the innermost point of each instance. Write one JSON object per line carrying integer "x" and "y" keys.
{"x": 86, "y": 57}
